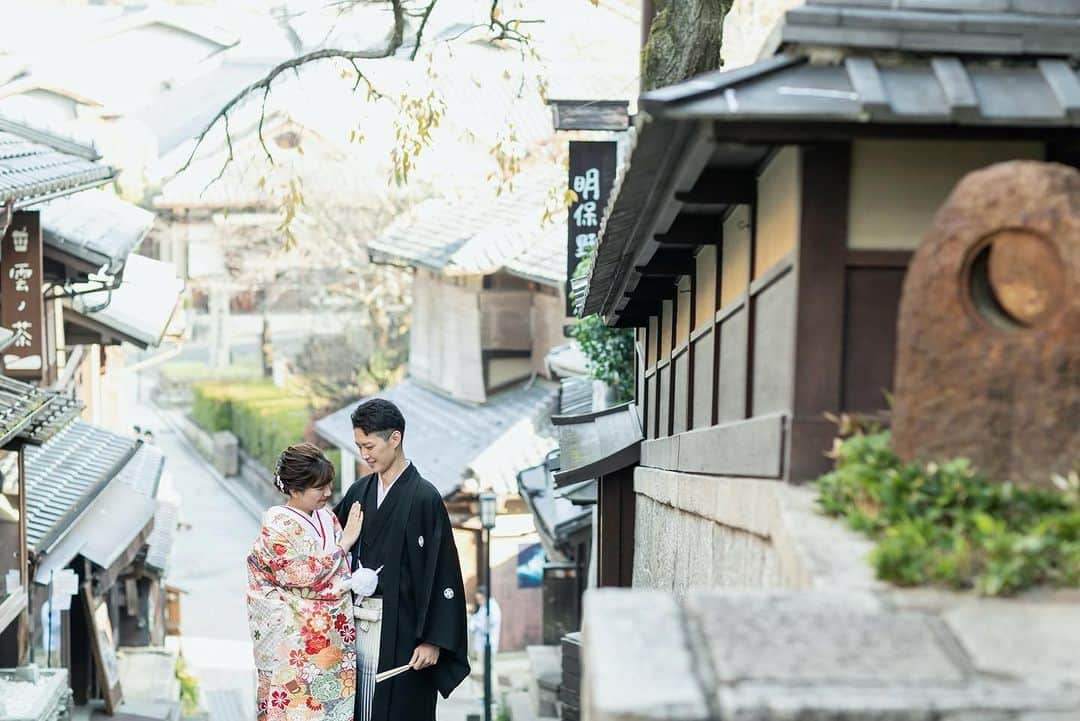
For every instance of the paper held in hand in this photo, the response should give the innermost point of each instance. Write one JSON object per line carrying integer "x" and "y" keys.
{"x": 380, "y": 677}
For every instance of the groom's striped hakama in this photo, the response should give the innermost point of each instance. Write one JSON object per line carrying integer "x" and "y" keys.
{"x": 368, "y": 614}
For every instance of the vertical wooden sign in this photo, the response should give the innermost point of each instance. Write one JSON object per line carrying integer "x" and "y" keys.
{"x": 592, "y": 175}
{"x": 22, "y": 309}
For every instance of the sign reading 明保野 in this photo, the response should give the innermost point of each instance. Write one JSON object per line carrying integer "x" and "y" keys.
{"x": 592, "y": 175}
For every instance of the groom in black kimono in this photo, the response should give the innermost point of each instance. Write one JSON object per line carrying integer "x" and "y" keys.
{"x": 407, "y": 531}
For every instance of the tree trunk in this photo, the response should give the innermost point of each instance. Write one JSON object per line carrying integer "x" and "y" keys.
{"x": 684, "y": 41}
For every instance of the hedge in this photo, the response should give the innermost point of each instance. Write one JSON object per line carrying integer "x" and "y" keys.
{"x": 265, "y": 418}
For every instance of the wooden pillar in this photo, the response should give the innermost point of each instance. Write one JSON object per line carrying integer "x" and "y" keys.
{"x": 615, "y": 552}
{"x": 819, "y": 307}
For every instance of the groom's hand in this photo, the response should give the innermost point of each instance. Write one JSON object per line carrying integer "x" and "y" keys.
{"x": 425, "y": 655}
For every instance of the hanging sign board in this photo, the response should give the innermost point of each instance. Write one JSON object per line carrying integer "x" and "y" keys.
{"x": 22, "y": 310}
{"x": 592, "y": 175}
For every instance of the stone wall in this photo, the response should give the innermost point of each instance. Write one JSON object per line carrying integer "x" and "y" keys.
{"x": 707, "y": 537}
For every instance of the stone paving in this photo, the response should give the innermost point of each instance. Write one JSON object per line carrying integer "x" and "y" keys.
{"x": 832, "y": 644}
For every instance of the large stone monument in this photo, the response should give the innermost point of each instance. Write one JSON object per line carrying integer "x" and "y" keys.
{"x": 988, "y": 360}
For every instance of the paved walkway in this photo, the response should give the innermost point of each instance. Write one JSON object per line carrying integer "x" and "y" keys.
{"x": 208, "y": 564}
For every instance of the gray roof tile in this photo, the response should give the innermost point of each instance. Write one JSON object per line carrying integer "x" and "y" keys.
{"x": 480, "y": 232}
{"x": 555, "y": 516}
{"x": 576, "y": 397}
{"x": 65, "y": 474}
{"x": 19, "y": 404}
{"x": 30, "y": 170}
{"x": 985, "y": 27}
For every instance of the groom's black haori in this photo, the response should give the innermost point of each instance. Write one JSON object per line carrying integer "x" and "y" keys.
{"x": 421, "y": 587}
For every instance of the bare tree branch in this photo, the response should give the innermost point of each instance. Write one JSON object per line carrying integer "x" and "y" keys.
{"x": 420, "y": 30}
{"x": 262, "y": 118}
{"x": 503, "y": 29}
{"x": 228, "y": 139}
{"x": 396, "y": 39}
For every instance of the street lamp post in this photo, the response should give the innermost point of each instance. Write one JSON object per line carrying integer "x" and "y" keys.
{"x": 487, "y": 520}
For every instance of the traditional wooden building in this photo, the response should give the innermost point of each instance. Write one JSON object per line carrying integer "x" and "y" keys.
{"x": 760, "y": 236}
{"x": 78, "y": 501}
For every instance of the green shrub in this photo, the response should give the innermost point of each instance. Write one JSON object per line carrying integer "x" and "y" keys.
{"x": 610, "y": 353}
{"x": 213, "y": 401}
{"x": 945, "y": 524}
{"x": 266, "y": 419}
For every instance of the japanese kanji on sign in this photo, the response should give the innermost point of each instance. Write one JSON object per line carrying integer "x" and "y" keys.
{"x": 21, "y": 306}
{"x": 592, "y": 174}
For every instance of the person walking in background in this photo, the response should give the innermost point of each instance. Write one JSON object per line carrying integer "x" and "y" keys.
{"x": 300, "y": 606}
{"x": 478, "y": 628}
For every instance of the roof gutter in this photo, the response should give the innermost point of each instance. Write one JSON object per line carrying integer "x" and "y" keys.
{"x": 38, "y": 199}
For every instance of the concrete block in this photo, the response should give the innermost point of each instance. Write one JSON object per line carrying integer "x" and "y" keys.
{"x": 637, "y": 658}
{"x": 226, "y": 453}
{"x": 816, "y": 551}
{"x": 818, "y": 637}
{"x": 1020, "y": 639}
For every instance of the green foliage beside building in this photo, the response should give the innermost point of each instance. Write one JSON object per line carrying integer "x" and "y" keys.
{"x": 948, "y": 525}
{"x": 610, "y": 352}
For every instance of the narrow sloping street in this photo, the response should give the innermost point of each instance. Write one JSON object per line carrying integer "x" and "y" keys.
{"x": 208, "y": 564}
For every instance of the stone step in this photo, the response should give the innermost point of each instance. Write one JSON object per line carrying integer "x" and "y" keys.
{"x": 519, "y": 705}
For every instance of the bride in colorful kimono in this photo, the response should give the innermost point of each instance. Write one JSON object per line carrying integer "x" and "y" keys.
{"x": 300, "y": 597}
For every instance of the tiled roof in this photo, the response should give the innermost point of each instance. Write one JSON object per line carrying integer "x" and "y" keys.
{"x": 556, "y": 517}
{"x": 98, "y": 228}
{"x": 482, "y": 232}
{"x": 984, "y": 27}
{"x": 544, "y": 259}
{"x": 963, "y": 92}
{"x": 31, "y": 170}
{"x": 31, "y": 414}
{"x": 143, "y": 473}
{"x": 594, "y": 444}
{"x": 451, "y": 442}
{"x": 65, "y": 474}
{"x": 57, "y": 411}
{"x": 576, "y": 395}
{"x": 19, "y": 403}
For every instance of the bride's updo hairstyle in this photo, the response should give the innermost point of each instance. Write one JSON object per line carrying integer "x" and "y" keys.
{"x": 301, "y": 467}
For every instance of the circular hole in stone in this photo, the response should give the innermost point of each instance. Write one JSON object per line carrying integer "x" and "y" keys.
{"x": 1016, "y": 279}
